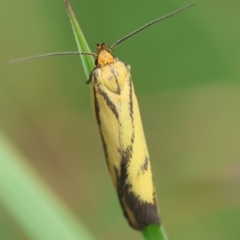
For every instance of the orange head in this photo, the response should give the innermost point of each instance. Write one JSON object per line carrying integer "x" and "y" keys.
{"x": 103, "y": 57}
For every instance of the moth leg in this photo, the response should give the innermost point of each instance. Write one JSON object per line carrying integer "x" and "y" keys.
{"x": 89, "y": 80}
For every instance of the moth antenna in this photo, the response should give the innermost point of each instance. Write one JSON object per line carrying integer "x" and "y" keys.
{"x": 86, "y": 53}
{"x": 109, "y": 48}
{"x": 51, "y": 55}
{"x": 149, "y": 24}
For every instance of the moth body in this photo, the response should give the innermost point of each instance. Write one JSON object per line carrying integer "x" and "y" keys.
{"x": 118, "y": 118}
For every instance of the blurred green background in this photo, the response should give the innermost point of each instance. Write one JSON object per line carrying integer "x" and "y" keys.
{"x": 186, "y": 75}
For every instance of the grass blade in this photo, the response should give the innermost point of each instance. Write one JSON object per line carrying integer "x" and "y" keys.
{"x": 154, "y": 232}
{"x": 88, "y": 62}
{"x": 30, "y": 203}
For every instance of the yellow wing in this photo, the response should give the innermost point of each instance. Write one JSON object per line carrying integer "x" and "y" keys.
{"x": 118, "y": 117}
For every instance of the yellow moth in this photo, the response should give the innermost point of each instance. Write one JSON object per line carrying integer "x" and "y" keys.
{"x": 118, "y": 118}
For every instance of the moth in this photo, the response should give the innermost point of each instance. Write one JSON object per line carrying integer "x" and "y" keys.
{"x": 118, "y": 118}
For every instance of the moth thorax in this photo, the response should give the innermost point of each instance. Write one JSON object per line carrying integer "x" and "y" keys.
{"x": 104, "y": 58}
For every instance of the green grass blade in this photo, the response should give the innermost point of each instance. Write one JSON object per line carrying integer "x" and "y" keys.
{"x": 87, "y": 61}
{"x": 154, "y": 232}
{"x": 30, "y": 203}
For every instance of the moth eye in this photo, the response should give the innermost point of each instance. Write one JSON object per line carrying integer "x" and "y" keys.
{"x": 98, "y": 44}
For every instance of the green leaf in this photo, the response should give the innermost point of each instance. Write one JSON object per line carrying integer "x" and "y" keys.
{"x": 87, "y": 61}
{"x": 30, "y": 203}
{"x": 154, "y": 232}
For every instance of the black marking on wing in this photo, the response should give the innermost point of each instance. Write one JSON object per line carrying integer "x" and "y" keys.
{"x": 144, "y": 167}
{"x": 116, "y": 80}
{"x": 144, "y": 213}
{"x": 96, "y": 106}
{"x": 131, "y": 99}
{"x": 97, "y": 112}
{"x": 131, "y": 107}
{"x": 109, "y": 102}
{"x": 104, "y": 148}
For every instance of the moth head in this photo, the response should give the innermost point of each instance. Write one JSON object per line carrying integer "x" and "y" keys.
{"x": 104, "y": 57}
